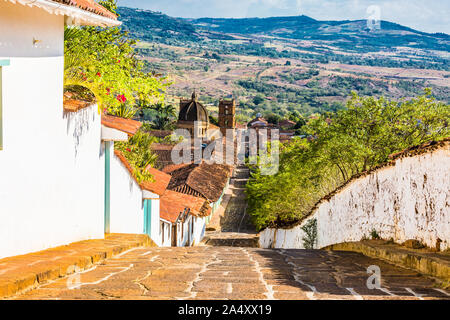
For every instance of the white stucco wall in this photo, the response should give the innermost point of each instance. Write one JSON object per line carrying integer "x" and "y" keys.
{"x": 127, "y": 207}
{"x": 410, "y": 200}
{"x": 184, "y": 234}
{"x": 199, "y": 229}
{"x": 52, "y": 176}
{"x": 166, "y": 236}
{"x": 51, "y": 165}
{"x": 155, "y": 234}
{"x": 20, "y": 25}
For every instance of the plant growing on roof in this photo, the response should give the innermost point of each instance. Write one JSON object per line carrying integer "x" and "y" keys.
{"x": 137, "y": 150}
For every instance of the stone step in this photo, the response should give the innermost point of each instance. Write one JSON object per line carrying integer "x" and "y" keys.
{"x": 231, "y": 239}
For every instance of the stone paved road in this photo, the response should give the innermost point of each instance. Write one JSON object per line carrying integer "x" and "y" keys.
{"x": 236, "y": 228}
{"x": 236, "y": 273}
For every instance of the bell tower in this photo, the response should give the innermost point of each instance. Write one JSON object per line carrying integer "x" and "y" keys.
{"x": 227, "y": 115}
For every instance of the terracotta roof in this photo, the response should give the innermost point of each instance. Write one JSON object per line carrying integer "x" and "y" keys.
{"x": 164, "y": 153}
{"x": 207, "y": 180}
{"x": 173, "y": 167}
{"x": 160, "y": 184}
{"x": 89, "y": 5}
{"x": 173, "y": 204}
{"x": 258, "y": 119}
{"x": 126, "y": 125}
{"x": 161, "y": 179}
{"x": 286, "y": 123}
{"x": 213, "y": 127}
{"x": 74, "y": 105}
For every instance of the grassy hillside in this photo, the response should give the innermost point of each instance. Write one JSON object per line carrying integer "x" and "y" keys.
{"x": 288, "y": 65}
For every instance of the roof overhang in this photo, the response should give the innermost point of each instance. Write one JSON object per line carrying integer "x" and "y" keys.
{"x": 111, "y": 134}
{"x": 73, "y": 16}
{"x": 148, "y": 195}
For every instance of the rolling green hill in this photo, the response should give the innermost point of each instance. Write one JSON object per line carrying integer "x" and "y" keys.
{"x": 283, "y": 65}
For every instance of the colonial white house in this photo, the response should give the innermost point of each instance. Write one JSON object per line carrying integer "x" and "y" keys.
{"x": 52, "y": 159}
{"x": 207, "y": 181}
{"x": 133, "y": 207}
{"x": 183, "y": 219}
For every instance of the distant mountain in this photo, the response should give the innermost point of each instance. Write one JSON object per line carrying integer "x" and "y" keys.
{"x": 154, "y": 26}
{"x": 347, "y": 35}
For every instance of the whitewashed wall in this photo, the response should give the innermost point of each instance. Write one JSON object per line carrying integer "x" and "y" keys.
{"x": 127, "y": 207}
{"x": 184, "y": 234}
{"x": 51, "y": 165}
{"x": 166, "y": 238}
{"x": 407, "y": 201}
{"x": 199, "y": 229}
{"x": 52, "y": 176}
{"x": 155, "y": 219}
{"x": 20, "y": 25}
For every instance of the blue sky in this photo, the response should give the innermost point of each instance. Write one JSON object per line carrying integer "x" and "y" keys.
{"x": 423, "y": 15}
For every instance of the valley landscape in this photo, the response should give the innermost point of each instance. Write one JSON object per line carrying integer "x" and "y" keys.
{"x": 287, "y": 66}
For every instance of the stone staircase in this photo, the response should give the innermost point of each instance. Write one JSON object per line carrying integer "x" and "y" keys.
{"x": 233, "y": 227}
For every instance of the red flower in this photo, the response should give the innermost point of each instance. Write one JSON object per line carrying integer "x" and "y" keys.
{"x": 99, "y": 74}
{"x": 118, "y": 60}
{"x": 121, "y": 98}
{"x": 128, "y": 149}
{"x": 108, "y": 91}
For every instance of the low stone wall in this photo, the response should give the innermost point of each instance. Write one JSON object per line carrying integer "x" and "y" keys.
{"x": 406, "y": 199}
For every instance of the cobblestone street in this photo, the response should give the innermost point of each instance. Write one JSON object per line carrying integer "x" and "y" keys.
{"x": 237, "y": 273}
{"x": 229, "y": 266}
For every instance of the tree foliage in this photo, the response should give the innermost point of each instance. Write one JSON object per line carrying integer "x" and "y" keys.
{"x": 138, "y": 152}
{"x": 104, "y": 61}
{"x": 351, "y": 141}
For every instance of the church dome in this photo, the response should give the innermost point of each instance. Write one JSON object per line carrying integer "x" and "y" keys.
{"x": 193, "y": 110}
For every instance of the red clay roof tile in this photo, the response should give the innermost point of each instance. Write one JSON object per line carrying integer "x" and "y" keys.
{"x": 126, "y": 125}
{"x": 160, "y": 184}
{"x": 74, "y": 105}
{"x": 89, "y": 5}
{"x": 173, "y": 203}
{"x": 161, "y": 179}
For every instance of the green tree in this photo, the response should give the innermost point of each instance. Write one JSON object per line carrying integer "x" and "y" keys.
{"x": 341, "y": 145}
{"x": 104, "y": 61}
{"x": 164, "y": 116}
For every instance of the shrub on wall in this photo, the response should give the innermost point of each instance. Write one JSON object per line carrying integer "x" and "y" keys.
{"x": 340, "y": 146}
{"x": 310, "y": 229}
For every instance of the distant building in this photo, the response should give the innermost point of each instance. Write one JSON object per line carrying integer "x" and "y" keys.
{"x": 193, "y": 112}
{"x": 258, "y": 122}
{"x": 182, "y": 219}
{"x": 208, "y": 181}
{"x": 286, "y": 124}
{"x": 227, "y": 115}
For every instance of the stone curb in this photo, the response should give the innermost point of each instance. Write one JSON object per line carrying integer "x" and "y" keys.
{"x": 22, "y": 273}
{"x": 432, "y": 264}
